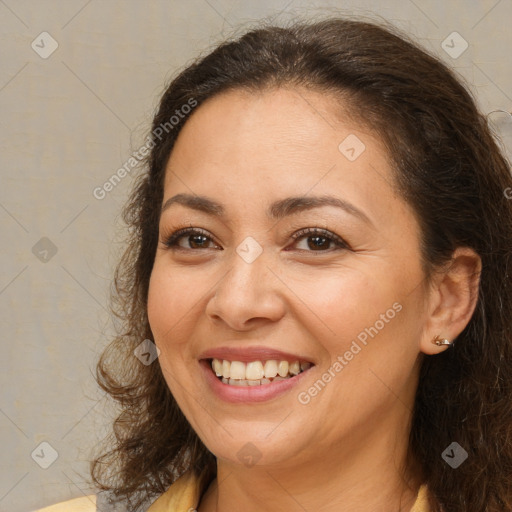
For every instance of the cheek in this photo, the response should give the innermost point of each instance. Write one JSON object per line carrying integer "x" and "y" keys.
{"x": 368, "y": 324}
{"x": 342, "y": 302}
{"x": 171, "y": 303}
{"x": 168, "y": 305}
{"x": 371, "y": 306}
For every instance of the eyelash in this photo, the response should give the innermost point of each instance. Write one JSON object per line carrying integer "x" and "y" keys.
{"x": 172, "y": 240}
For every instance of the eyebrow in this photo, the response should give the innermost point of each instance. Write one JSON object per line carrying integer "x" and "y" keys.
{"x": 277, "y": 210}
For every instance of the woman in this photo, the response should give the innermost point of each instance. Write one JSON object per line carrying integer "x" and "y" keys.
{"x": 320, "y": 252}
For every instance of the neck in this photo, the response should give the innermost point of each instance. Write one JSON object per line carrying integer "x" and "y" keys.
{"x": 365, "y": 473}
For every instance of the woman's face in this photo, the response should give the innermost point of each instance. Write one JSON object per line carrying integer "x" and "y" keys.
{"x": 256, "y": 287}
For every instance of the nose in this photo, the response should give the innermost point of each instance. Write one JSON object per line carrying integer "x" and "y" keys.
{"x": 248, "y": 295}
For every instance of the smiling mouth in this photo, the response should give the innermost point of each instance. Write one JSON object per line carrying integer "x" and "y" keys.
{"x": 256, "y": 373}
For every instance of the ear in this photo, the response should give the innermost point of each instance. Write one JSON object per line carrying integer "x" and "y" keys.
{"x": 452, "y": 299}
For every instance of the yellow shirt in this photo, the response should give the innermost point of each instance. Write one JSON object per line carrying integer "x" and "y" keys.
{"x": 183, "y": 496}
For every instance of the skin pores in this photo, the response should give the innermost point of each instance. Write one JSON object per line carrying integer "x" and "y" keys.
{"x": 246, "y": 151}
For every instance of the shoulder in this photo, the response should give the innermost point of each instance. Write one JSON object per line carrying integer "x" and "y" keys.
{"x": 182, "y": 495}
{"x": 84, "y": 504}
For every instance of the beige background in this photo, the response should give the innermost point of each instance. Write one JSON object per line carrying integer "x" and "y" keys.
{"x": 68, "y": 122}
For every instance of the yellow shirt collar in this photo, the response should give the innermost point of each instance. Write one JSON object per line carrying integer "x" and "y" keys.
{"x": 184, "y": 493}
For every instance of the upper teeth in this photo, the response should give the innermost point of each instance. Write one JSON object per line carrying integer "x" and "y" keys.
{"x": 256, "y": 370}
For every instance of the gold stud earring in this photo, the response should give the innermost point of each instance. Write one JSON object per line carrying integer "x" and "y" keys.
{"x": 441, "y": 341}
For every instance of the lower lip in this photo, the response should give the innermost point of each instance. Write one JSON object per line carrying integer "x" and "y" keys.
{"x": 248, "y": 394}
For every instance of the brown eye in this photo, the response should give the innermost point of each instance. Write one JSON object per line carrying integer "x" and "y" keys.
{"x": 319, "y": 240}
{"x": 197, "y": 241}
{"x": 189, "y": 238}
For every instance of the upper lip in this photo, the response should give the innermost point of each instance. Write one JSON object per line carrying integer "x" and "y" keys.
{"x": 248, "y": 354}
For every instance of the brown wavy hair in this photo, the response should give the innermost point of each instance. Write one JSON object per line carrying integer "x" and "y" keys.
{"x": 447, "y": 165}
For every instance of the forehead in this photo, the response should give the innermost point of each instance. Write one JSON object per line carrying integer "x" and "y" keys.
{"x": 256, "y": 147}
{"x": 291, "y": 117}
{"x": 274, "y": 132}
